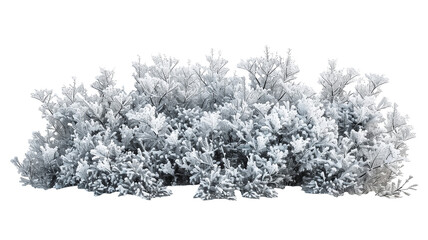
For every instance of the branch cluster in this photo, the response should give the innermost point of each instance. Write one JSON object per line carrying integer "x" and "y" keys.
{"x": 199, "y": 124}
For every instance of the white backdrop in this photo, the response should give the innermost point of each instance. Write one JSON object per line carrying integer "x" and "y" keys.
{"x": 44, "y": 43}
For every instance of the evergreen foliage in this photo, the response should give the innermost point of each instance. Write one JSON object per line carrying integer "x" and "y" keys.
{"x": 198, "y": 124}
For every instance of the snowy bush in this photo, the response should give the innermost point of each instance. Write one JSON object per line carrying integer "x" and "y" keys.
{"x": 199, "y": 124}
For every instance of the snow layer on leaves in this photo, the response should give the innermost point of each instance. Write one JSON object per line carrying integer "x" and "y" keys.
{"x": 198, "y": 124}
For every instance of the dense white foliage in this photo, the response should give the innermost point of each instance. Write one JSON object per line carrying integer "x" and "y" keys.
{"x": 197, "y": 124}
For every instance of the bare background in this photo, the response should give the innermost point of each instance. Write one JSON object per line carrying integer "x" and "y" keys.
{"x": 44, "y": 43}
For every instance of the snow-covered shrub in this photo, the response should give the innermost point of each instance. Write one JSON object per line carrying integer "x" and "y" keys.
{"x": 217, "y": 185}
{"x": 199, "y": 124}
{"x": 371, "y": 148}
{"x": 253, "y": 180}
